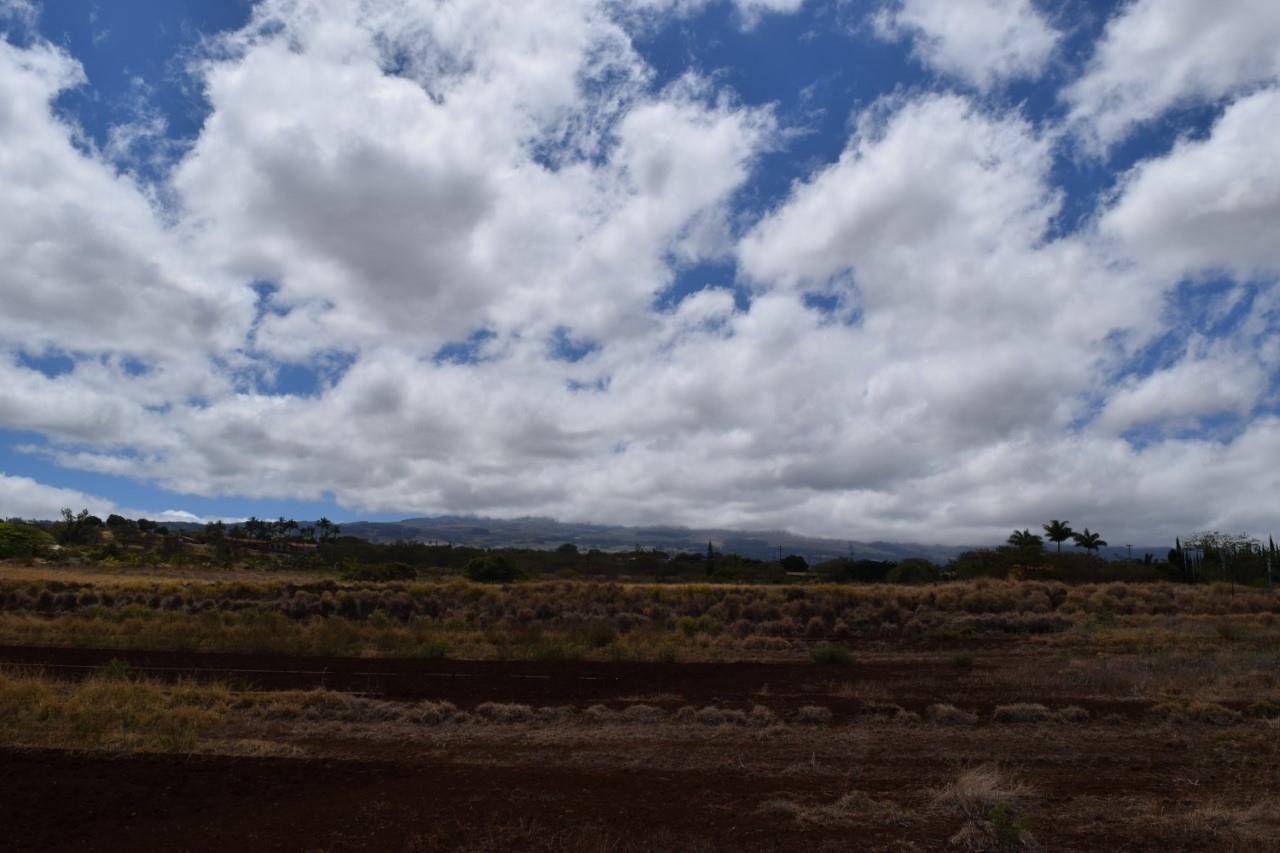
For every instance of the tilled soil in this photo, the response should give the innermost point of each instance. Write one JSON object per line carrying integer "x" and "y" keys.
{"x": 913, "y": 680}
{"x": 1124, "y": 780}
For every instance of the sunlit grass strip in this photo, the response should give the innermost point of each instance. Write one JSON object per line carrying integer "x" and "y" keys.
{"x": 107, "y": 712}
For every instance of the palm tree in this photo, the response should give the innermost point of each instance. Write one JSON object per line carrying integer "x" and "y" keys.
{"x": 1058, "y": 531}
{"x": 1025, "y": 539}
{"x": 1088, "y": 540}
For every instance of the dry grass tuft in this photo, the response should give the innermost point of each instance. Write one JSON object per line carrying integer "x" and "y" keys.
{"x": 979, "y": 789}
{"x": 505, "y": 712}
{"x": 991, "y": 801}
{"x": 434, "y": 713}
{"x": 853, "y": 808}
{"x": 1071, "y": 714}
{"x": 642, "y": 713}
{"x": 1210, "y": 713}
{"x": 1222, "y": 826}
{"x": 950, "y": 715}
{"x": 813, "y": 715}
{"x": 1022, "y": 712}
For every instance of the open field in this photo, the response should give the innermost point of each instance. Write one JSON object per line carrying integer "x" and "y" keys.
{"x": 975, "y": 716}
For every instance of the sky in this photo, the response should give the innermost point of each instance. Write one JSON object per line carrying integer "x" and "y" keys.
{"x": 914, "y": 270}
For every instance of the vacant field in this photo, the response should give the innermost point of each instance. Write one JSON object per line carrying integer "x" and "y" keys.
{"x": 213, "y": 714}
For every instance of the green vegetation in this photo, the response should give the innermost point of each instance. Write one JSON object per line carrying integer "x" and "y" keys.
{"x": 319, "y": 550}
{"x": 831, "y": 654}
{"x": 24, "y": 541}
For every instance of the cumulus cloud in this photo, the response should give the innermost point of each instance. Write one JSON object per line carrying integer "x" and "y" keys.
{"x": 1161, "y": 54}
{"x": 430, "y": 202}
{"x": 985, "y": 42}
{"x": 23, "y": 497}
{"x": 904, "y": 345}
{"x": 1211, "y": 204}
{"x": 1211, "y": 383}
{"x": 88, "y": 266}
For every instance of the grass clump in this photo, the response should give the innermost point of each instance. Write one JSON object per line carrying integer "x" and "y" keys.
{"x": 1022, "y": 712}
{"x": 830, "y": 653}
{"x": 949, "y": 715}
{"x": 813, "y": 715}
{"x": 992, "y": 802}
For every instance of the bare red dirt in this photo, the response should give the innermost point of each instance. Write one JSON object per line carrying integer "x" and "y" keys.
{"x": 1125, "y": 780}
{"x": 914, "y": 681}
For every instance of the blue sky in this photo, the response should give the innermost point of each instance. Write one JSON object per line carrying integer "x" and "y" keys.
{"x": 894, "y": 269}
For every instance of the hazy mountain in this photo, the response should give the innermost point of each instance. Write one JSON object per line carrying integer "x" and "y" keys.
{"x": 548, "y": 533}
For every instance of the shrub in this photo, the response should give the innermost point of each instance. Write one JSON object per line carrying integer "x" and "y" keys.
{"x": 493, "y": 568}
{"x": 913, "y": 570}
{"x": 378, "y": 572}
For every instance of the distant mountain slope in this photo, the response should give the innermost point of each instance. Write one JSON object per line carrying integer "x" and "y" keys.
{"x": 548, "y": 533}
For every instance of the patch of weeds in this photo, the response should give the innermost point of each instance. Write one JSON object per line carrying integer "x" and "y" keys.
{"x": 432, "y": 650}
{"x": 961, "y": 661}
{"x": 830, "y": 653}
{"x": 1263, "y": 710}
{"x": 556, "y": 650}
{"x": 116, "y": 669}
{"x": 1011, "y": 828}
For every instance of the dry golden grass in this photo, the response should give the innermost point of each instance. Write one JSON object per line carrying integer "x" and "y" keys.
{"x": 979, "y": 789}
{"x": 107, "y": 712}
{"x": 202, "y": 609}
{"x": 851, "y": 809}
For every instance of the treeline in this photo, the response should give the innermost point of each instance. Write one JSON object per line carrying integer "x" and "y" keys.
{"x": 320, "y": 546}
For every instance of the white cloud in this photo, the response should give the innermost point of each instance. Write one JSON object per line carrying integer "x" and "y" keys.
{"x": 1178, "y": 397}
{"x": 23, "y": 497}
{"x": 1211, "y": 204}
{"x": 406, "y": 177}
{"x": 984, "y": 42}
{"x": 420, "y": 207}
{"x": 87, "y": 265}
{"x": 19, "y": 13}
{"x": 750, "y": 12}
{"x": 1160, "y": 54}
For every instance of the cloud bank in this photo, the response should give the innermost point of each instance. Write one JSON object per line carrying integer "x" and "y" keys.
{"x": 484, "y": 258}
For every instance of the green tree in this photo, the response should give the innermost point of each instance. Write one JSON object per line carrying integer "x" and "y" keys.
{"x": 78, "y": 528}
{"x": 913, "y": 570}
{"x": 494, "y": 568}
{"x": 1058, "y": 531}
{"x": 795, "y": 563}
{"x": 23, "y": 540}
{"x": 1088, "y": 540}
{"x": 1025, "y": 539}
{"x": 328, "y": 530}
